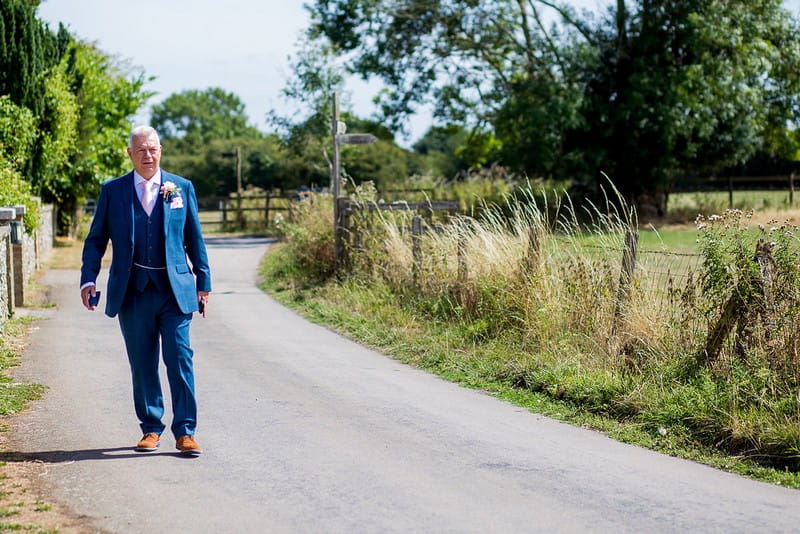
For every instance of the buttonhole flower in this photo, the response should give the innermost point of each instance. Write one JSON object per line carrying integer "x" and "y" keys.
{"x": 170, "y": 190}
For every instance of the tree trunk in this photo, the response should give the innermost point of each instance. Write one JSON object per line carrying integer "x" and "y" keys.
{"x": 651, "y": 204}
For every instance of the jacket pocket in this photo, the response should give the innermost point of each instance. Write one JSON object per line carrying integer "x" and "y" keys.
{"x": 182, "y": 269}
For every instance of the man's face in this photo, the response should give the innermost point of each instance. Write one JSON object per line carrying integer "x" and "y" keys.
{"x": 145, "y": 155}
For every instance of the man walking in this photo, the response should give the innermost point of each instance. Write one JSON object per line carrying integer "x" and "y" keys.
{"x": 150, "y": 217}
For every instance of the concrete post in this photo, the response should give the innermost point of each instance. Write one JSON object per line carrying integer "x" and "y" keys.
{"x": 20, "y": 278}
{"x": 6, "y": 216}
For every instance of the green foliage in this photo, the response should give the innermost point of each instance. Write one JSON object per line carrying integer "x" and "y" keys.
{"x": 91, "y": 99}
{"x": 212, "y": 166}
{"x": 15, "y": 191}
{"x": 309, "y": 240}
{"x": 73, "y": 105}
{"x": 437, "y": 152}
{"x": 27, "y": 50}
{"x": 108, "y": 96}
{"x": 650, "y": 91}
{"x": 54, "y": 158}
{"x": 195, "y": 117}
{"x": 382, "y": 162}
{"x": 17, "y": 133}
{"x": 691, "y": 86}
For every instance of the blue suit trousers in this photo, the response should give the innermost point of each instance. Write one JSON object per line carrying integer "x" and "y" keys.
{"x": 150, "y": 318}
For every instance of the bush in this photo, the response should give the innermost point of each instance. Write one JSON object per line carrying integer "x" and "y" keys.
{"x": 308, "y": 233}
{"x": 16, "y": 191}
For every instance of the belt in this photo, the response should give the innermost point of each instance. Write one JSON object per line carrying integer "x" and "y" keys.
{"x": 150, "y": 268}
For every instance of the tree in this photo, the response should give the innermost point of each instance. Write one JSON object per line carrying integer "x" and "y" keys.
{"x": 17, "y": 137}
{"x": 213, "y": 171}
{"x": 690, "y": 86}
{"x": 195, "y": 117}
{"x": 464, "y": 54}
{"x": 653, "y": 89}
{"x": 64, "y": 111}
{"x": 438, "y": 152}
{"x": 92, "y": 98}
{"x": 27, "y": 50}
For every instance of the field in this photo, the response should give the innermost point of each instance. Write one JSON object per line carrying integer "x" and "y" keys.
{"x": 767, "y": 204}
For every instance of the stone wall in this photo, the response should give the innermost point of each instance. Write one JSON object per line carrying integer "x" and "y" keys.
{"x": 20, "y": 261}
{"x": 45, "y": 234}
{"x": 6, "y": 294}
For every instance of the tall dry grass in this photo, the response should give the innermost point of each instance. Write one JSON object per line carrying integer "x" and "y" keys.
{"x": 544, "y": 282}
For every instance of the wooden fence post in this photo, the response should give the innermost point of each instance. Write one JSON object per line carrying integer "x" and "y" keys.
{"x": 730, "y": 192}
{"x": 626, "y": 274}
{"x": 766, "y": 270}
{"x": 534, "y": 249}
{"x": 462, "y": 258}
{"x": 738, "y": 311}
{"x": 791, "y": 190}
{"x": 266, "y": 212}
{"x": 340, "y": 227}
{"x": 416, "y": 245}
{"x": 223, "y": 204}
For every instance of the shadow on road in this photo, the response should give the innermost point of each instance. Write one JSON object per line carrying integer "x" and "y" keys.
{"x": 238, "y": 241}
{"x": 57, "y": 457}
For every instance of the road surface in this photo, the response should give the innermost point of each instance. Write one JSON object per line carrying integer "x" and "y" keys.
{"x": 305, "y": 431}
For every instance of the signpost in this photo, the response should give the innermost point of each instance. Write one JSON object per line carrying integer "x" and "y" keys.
{"x": 238, "y": 155}
{"x": 340, "y": 138}
{"x": 355, "y": 139}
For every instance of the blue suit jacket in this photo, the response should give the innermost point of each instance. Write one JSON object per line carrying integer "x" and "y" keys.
{"x": 113, "y": 220}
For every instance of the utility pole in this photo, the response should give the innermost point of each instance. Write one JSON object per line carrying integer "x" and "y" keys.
{"x": 240, "y": 214}
{"x": 238, "y": 155}
{"x": 336, "y": 164}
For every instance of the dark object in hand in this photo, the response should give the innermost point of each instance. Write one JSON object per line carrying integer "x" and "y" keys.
{"x": 202, "y": 306}
{"x": 94, "y": 300}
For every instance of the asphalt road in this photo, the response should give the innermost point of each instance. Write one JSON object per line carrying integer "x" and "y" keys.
{"x": 305, "y": 431}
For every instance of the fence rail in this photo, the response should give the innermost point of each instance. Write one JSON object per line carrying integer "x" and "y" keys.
{"x": 345, "y": 236}
{"x": 738, "y": 183}
{"x": 240, "y": 212}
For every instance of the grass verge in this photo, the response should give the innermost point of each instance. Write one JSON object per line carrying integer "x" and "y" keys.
{"x": 22, "y": 507}
{"x": 15, "y": 396}
{"x": 370, "y": 314}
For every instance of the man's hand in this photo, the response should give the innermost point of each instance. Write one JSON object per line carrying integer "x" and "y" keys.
{"x": 86, "y": 292}
{"x": 202, "y": 299}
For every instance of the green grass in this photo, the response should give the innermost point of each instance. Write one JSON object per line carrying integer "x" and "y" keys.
{"x": 41, "y": 506}
{"x": 634, "y": 409}
{"x": 14, "y": 527}
{"x": 706, "y": 203}
{"x": 14, "y": 396}
{"x": 675, "y": 239}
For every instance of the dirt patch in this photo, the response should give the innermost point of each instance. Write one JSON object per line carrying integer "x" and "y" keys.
{"x": 24, "y": 501}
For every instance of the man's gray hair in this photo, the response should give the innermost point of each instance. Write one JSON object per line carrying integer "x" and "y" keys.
{"x": 143, "y": 131}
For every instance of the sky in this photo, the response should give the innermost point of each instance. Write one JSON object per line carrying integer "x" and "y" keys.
{"x": 242, "y": 46}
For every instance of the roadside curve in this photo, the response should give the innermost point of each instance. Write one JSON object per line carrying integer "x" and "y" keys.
{"x": 305, "y": 431}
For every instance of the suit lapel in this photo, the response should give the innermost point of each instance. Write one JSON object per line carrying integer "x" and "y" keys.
{"x": 164, "y": 205}
{"x": 128, "y": 198}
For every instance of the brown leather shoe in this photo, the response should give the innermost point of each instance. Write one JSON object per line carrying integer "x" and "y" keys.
{"x": 188, "y": 446}
{"x": 149, "y": 442}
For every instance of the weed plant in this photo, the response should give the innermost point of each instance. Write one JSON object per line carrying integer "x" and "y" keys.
{"x": 308, "y": 233}
{"x": 532, "y": 298}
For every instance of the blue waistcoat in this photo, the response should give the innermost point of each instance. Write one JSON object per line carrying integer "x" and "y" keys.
{"x": 148, "y": 246}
